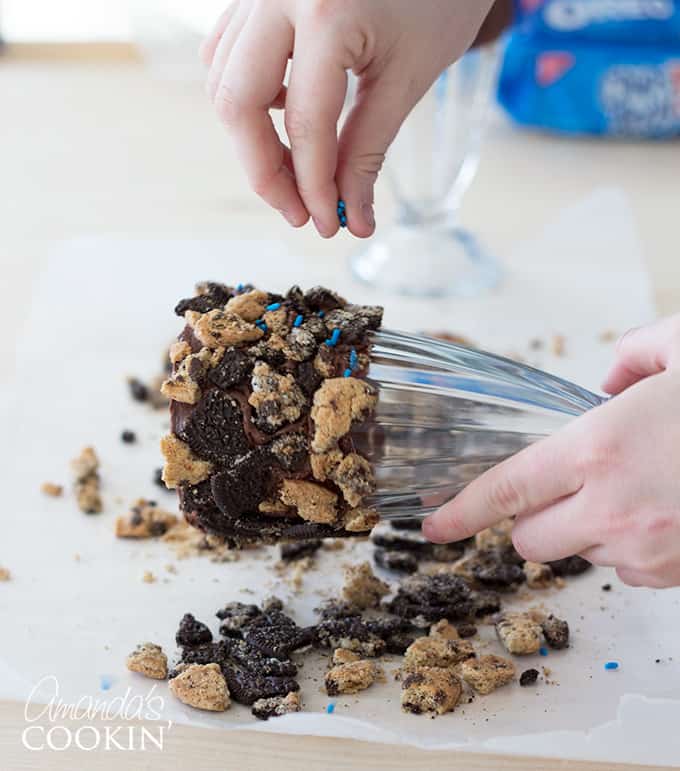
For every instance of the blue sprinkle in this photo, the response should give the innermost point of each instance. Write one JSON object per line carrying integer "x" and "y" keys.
{"x": 298, "y": 320}
{"x": 321, "y": 314}
{"x": 342, "y": 214}
{"x": 261, "y": 325}
{"x": 333, "y": 339}
{"x": 347, "y": 373}
{"x": 611, "y": 665}
{"x": 353, "y": 358}
{"x": 543, "y": 651}
{"x": 105, "y": 682}
{"x": 273, "y": 307}
{"x": 239, "y": 288}
{"x": 330, "y": 709}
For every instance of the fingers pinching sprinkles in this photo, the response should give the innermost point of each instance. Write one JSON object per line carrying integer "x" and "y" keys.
{"x": 264, "y": 391}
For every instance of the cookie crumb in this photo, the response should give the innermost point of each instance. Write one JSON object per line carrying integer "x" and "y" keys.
{"x": 528, "y": 677}
{"x": 218, "y": 328}
{"x": 128, "y": 437}
{"x": 558, "y": 345}
{"x": 5, "y": 575}
{"x": 361, "y": 520}
{"x": 519, "y": 634}
{"x": 444, "y": 628}
{"x": 187, "y": 541}
{"x": 249, "y": 305}
{"x": 556, "y": 632}
{"x": 352, "y": 677}
{"x": 437, "y": 652}
{"x": 497, "y": 536}
{"x": 487, "y": 673}
{"x": 314, "y": 503}
{"x": 149, "y": 577}
{"x": 149, "y": 660}
{"x": 538, "y": 575}
{"x": 430, "y": 689}
{"x": 337, "y": 404}
{"x": 181, "y": 465}
{"x": 344, "y": 656}
{"x": 276, "y": 706}
{"x": 51, "y": 489}
{"x": 145, "y": 520}
{"x": 86, "y": 483}
{"x": 608, "y": 336}
{"x": 201, "y": 686}
{"x": 362, "y": 588}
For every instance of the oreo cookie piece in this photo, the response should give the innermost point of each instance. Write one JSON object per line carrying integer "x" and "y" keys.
{"x": 212, "y": 296}
{"x": 247, "y": 687}
{"x": 429, "y": 598}
{"x": 291, "y": 552}
{"x": 192, "y": 632}
{"x": 570, "y": 566}
{"x": 276, "y": 634}
{"x": 234, "y": 368}
{"x": 492, "y": 571}
{"x": 241, "y": 488}
{"x": 396, "y": 561}
{"x": 235, "y": 616}
{"x": 290, "y": 451}
{"x": 214, "y": 429}
{"x": 351, "y": 633}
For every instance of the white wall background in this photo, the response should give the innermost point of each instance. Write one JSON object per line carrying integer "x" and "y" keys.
{"x": 77, "y": 20}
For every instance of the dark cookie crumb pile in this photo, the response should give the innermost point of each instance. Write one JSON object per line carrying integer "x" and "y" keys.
{"x": 431, "y": 619}
{"x": 263, "y": 392}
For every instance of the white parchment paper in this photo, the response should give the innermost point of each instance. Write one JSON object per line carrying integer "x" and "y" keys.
{"x": 102, "y": 310}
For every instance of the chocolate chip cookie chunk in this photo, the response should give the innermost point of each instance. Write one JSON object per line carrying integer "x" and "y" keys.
{"x": 264, "y": 392}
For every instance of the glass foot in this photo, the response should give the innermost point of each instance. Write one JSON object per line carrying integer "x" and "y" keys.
{"x": 431, "y": 262}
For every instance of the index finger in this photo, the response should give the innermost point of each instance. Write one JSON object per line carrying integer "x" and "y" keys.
{"x": 250, "y": 85}
{"x": 536, "y": 477}
{"x": 316, "y": 94}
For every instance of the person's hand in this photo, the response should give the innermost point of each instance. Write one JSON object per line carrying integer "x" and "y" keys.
{"x": 396, "y": 47}
{"x": 607, "y": 486}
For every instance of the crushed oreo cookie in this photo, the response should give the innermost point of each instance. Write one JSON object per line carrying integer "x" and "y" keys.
{"x": 261, "y": 386}
{"x": 425, "y": 599}
{"x": 570, "y": 566}
{"x": 291, "y": 552}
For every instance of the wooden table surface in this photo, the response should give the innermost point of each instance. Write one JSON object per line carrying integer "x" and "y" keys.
{"x": 90, "y": 143}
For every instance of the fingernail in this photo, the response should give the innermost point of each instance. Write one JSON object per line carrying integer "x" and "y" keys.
{"x": 369, "y": 217}
{"x": 322, "y": 229}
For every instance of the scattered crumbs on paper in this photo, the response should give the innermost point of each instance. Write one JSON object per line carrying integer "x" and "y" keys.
{"x": 51, "y": 489}
{"x": 608, "y": 336}
{"x": 558, "y": 345}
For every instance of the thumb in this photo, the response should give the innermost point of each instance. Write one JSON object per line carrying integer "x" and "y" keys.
{"x": 381, "y": 107}
{"x": 642, "y": 352}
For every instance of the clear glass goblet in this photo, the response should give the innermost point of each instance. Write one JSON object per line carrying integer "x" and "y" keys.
{"x": 430, "y": 166}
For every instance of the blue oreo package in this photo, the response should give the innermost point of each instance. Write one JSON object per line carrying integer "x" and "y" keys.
{"x": 607, "y": 67}
{"x": 615, "y": 21}
{"x": 588, "y": 88}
